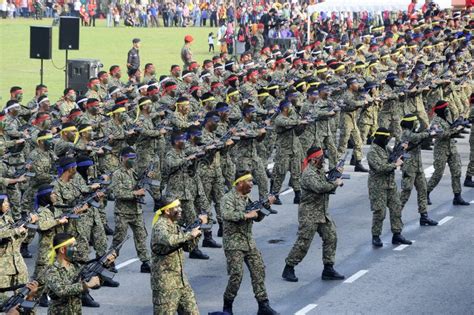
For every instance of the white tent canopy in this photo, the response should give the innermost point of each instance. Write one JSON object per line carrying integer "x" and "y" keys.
{"x": 368, "y": 5}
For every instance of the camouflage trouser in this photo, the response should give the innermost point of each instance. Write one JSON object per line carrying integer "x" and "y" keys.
{"x": 109, "y": 163}
{"x": 188, "y": 213}
{"x": 214, "y": 190}
{"x": 380, "y": 200}
{"x": 170, "y": 301}
{"x": 306, "y": 231}
{"x": 366, "y": 131}
{"x": 419, "y": 181}
{"x": 14, "y": 197}
{"x": 257, "y": 167}
{"x": 452, "y": 104}
{"x": 136, "y": 223}
{"x": 7, "y": 281}
{"x": 283, "y": 164}
{"x": 228, "y": 171}
{"x": 470, "y": 167}
{"x": 42, "y": 261}
{"x": 329, "y": 146}
{"x": 391, "y": 121}
{"x": 253, "y": 260}
{"x": 453, "y": 159}
{"x": 348, "y": 129}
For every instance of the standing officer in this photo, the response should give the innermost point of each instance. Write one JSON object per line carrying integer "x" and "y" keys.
{"x": 170, "y": 285}
{"x": 239, "y": 245}
{"x": 383, "y": 189}
{"x": 127, "y": 211}
{"x": 445, "y": 151}
{"x": 313, "y": 217}
{"x": 133, "y": 56}
{"x": 412, "y": 169}
{"x": 63, "y": 285}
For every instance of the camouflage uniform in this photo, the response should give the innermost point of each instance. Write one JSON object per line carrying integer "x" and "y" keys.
{"x": 111, "y": 160}
{"x": 41, "y": 165}
{"x": 48, "y": 227}
{"x": 227, "y": 165}
{"x": 389, "y": 114}
{"x": 349, "y": 127}
{"x": 12, "y": 266}
{"x": 445, "y": 151}
{"x": 64, "y": 291}
{"x": 288, "y": 153}
{"x": 412, "y": 170}
{"x": 184, "y": 185}
{"x": 313, "y": 217}
{"x": 239, "y": 246}
{"x": 383, "y": 190}
{"x": 170, "y": 286}
{"x": 246, "y": 158}
{"x": 128, "y": 212}
{"x": 470, "y": 166}
{"x": 211, "y": 175}
{"x": 65, "y": 107}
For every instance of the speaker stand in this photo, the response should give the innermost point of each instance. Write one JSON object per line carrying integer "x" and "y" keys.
{"x": 41, "y": 72}
{"x": 65, "y": 71}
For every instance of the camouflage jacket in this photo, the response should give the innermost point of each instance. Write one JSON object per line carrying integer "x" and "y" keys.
{"x": 167, "y": 245}
{"x": 64, "y": 291}
{"x": 237, "y": 230}
{"x": 124, "y": 182}
{"x": 11, "y": 262}
{"x": 413, "y": 164}
{"x": 288, "y": 141}
{"x": 176, "y": 171}
{"x": 444, "y": 143}
{"x": 315, "y": 190}
{"x": 41, "y": 165}
{"x": 381, "y": 173}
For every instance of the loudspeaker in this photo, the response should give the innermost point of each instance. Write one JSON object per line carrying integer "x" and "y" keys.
{"x": 80, "y": 71}
{"x": 68, "y": 33}
{"x": 40, "y": 42}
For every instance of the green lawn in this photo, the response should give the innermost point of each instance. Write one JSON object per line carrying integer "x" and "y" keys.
{"x": 160, "y": 46}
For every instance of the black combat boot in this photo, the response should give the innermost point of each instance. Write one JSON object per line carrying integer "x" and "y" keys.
{"x": 426, "y": 220}
{"x": 208, "y": 241}
{"x": 145, "y": 267}
{"x": 468, "y": 181}
{"x": 376, "y": 241}
{"x": 25, "y": 253}
{"x": 398, "y": 239}
{"x": 426, "y": 144}
{"x": 369, "y": 140}
{"x": 350, "y": 143}
{"x": 329, "y": 273}
{"x": 428, "y": 200}
{"x": 457, "y": 201}
{"x": 289, "y": 274}
{"x": 297, "y": 198}
{"x": 43, "y": 300}
{"x": 197, "y": 254}
{"x": 272, "y": 211}
{"x": 219, "y": 231}
{"x": 464, "y": 131}
{"x": 458, "y": 136}
{"x": 353, "y": 160}
{"x": 228, "y": 307}
{"x": 88, "y": 301}
{"x": 264, "y": 308}
{"x": 108, "y": 230}
{"x": 277, "y": 200}
{"x": 108, "y": 282}
{"x": 360, "y": 168}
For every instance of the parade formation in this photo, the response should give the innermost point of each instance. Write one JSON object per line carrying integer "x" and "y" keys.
{"x": 198, "y": 139}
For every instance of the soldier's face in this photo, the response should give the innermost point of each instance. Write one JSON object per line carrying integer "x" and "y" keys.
{"x": 247, "y": 186}
{"x": 175, "y": 213}
{"x": 53, "y": 197}
{"x": 5, "y": 206}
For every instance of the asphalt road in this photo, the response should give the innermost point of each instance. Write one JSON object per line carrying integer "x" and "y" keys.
{"x": 433, "y": 276}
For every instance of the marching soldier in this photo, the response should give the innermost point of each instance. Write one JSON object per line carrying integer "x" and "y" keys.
{"x": 313, "y": 217}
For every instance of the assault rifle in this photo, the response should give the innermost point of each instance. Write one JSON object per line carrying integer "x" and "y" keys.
{"x": 263, "y": 206}
{"x": 334, "y": 173}
{"x": 26, "y": 221}
{"x": 19, "y": 298}
{"x": 398, "y": 151}
{"x": 98, "y": 267}
{"x": 460, "y": 121}
{"x": 197, "y": 223}
{"x": 144, "y": 181}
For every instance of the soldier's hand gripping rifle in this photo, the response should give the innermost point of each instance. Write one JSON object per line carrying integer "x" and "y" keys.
{"x": 333, "y": 174}
{"x": 20, "y": 298}
{"x": 263, "y": 206}
{"x": 99, "y": 267}
{"x": 399, "y": 151}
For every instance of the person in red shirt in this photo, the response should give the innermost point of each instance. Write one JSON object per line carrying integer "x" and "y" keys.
{"x": 411, "y": 7}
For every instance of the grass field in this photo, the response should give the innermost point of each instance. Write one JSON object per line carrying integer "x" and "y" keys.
{"x": 161, "y": 46}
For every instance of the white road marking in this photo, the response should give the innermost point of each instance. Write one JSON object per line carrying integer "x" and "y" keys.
{"x": 401, "y": 247}
{"x": 429, "y": 171}
{"x": 306, "y": 309}
{"x": 471, "y": 202}
{"x": 356, "y": 276}
{"x": 286, "y": 192}
{"x": 127, "y": 262}
{"x": 444, "y": 220}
